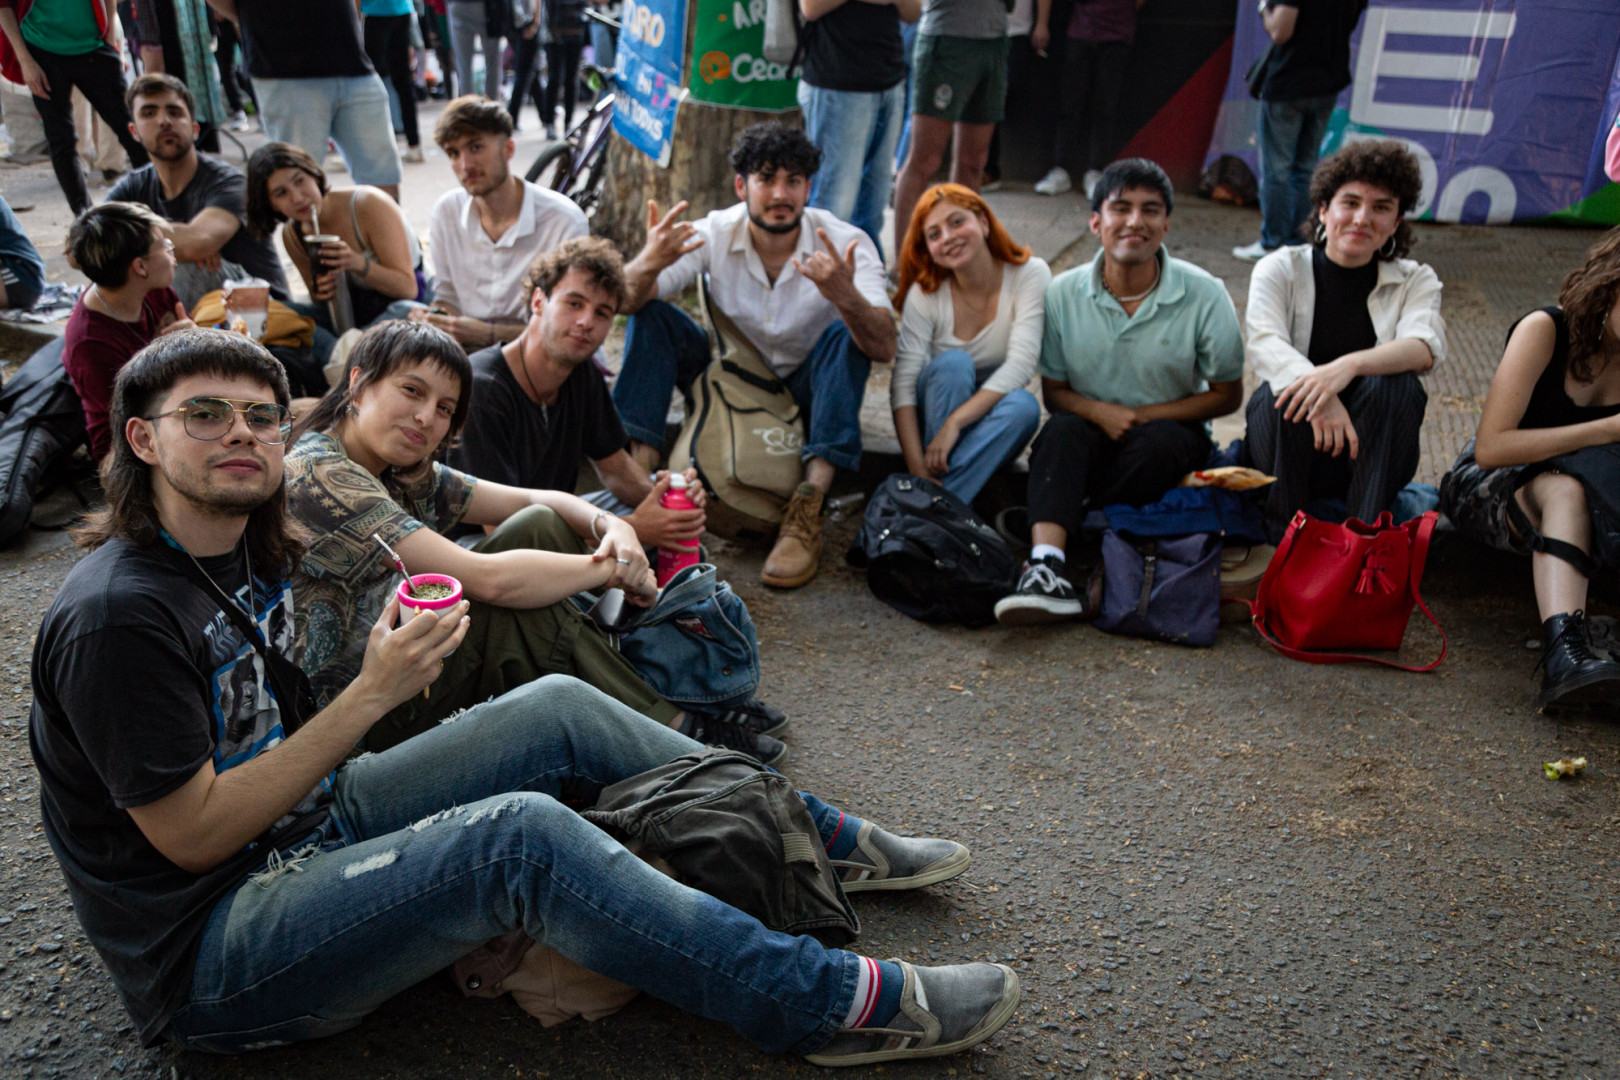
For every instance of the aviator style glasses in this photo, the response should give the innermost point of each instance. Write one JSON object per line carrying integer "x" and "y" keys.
{"x": 209, "y": 418}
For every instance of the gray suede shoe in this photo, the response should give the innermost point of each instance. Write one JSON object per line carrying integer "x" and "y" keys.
{"x": 882, "y": 860}
{"x": 942, "y": 1010}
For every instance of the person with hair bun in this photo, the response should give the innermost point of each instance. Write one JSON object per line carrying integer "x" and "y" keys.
{"x": 970, "y": 337}
{"x": 1339, "y": 331}
{"x": 1555, "y": 398}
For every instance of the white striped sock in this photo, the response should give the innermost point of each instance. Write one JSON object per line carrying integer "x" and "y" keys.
{"x": 867, "y": 989}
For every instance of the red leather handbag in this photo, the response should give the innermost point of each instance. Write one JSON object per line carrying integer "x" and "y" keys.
{"x": 1349, "y": 586}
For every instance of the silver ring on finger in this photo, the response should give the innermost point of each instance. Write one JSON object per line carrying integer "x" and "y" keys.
{"x": 624, "y": 562}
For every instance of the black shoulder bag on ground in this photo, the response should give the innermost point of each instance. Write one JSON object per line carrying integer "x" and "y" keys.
{"x": 294, "y": 695}
{"x": 928, "y": 555}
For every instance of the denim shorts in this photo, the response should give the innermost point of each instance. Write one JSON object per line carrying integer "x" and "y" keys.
{"x": 963, "y": 80}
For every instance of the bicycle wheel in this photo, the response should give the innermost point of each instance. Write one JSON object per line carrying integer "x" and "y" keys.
{"x": 552, "y": 164}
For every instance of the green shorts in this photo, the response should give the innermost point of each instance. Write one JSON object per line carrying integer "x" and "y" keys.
{"x": 963, "y": 80}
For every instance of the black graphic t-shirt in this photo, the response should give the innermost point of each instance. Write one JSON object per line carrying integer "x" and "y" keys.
{"x": 140, "y": 677}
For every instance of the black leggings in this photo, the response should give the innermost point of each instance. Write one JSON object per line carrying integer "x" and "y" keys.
{"x": 562, "y": 74}
{"x": 1074, "y": 467}
{"x": 233, "y": 79}
{"x": 99, "y": 75}
{"x": 1089, "y": 88}
{"x": 388, "y": 44}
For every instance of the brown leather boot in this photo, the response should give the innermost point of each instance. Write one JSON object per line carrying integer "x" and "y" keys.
{"x": 797, "y": 554}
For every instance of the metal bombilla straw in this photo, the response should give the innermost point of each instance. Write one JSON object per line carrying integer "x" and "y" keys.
{"x": 410, "y": 589}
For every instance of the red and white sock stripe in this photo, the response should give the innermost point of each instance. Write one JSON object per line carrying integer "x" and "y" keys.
{"x": 867, "y": 990}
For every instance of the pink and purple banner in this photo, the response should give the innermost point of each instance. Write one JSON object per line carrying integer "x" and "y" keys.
{"x": 1506, "y": 103}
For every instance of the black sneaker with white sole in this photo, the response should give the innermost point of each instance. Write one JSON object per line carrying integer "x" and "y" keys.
{"x": 1044, "y": 595}
{"x": 727, "y": 734}
{"x": 757, "y": 717}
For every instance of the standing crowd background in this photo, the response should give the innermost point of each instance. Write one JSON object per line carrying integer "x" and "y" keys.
{"x": 309, "y": 759}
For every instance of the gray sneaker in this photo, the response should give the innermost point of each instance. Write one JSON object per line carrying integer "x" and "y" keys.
{"x": 942, "y": 1010}
{"x": 882, "y": 860}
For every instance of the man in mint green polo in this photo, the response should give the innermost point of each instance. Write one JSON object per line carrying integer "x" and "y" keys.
{"x": 1140, "y": 351}
{"x": 62, "y": 44}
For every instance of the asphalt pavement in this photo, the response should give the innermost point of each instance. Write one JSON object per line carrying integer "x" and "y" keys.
{"x": 1214, "y": 863}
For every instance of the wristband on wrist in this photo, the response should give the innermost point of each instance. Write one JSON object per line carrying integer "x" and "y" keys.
{"x": 596, "y": 533}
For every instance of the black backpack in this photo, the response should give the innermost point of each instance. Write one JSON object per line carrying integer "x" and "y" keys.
{"x": 928, "y": 555}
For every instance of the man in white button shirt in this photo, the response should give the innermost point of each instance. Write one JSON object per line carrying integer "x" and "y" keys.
{"x": 806, "y": 288}
{"x": 485, "y": 236}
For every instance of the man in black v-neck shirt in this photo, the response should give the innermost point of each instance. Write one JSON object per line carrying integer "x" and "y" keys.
{"x": 540, "y": 406}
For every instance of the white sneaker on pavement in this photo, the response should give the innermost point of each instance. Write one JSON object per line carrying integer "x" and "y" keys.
{"x": 413, "y": 155}
{"x": 1055, "y": 182}
{"x": 1251, "y": 252}
{"x": 1092, "y": 179}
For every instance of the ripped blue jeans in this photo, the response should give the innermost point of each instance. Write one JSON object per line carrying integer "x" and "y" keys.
{"x": 460, "y": 835}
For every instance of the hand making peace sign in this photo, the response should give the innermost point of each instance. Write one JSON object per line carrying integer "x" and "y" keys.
{"x": 667, "y": 238}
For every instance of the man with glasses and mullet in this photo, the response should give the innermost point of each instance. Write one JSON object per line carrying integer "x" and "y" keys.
{"x": 125, "y": 252}
{"x": 185, "y": 775}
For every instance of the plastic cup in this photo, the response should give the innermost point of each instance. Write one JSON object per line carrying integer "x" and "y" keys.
{"x": 249, "y": 301}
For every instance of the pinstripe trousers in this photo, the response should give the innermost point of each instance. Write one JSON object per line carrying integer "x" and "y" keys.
{"x": 1387, "y": 411}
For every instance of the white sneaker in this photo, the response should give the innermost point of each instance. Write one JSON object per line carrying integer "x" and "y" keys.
{"x": 413, "y": 155}
{"x": 1251, "y": 252}
{"x": 1055, "y": 182}
{"x": 1093, "y": 178}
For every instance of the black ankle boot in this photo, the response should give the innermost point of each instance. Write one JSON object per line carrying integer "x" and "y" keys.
{"x": 1572, "y": 674}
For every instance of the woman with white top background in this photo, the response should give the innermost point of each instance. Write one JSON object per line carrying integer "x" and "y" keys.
{"x": 972, "y": 308}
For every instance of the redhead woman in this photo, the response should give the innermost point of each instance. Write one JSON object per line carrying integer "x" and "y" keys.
{"x": 1527, "y": 482}
{"x": 375, "y": 246}
{"x": 972, "y": 308}
{"x": 1339, "y": 331}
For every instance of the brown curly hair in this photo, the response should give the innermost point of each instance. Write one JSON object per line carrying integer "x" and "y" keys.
{"x": 592, "y": 254}
{"x": 1384, "y": 163}
{"x": 1588, "y": 296}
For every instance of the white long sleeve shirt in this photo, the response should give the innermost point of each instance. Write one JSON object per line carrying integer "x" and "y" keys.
{"x": 1010, "y": 343}
{"x": 1405, "y": 303}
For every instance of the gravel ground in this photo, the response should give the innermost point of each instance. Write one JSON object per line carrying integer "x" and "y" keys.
{"x": 1216, "y": 862}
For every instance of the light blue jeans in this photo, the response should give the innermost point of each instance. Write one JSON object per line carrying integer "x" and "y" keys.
{"x": 352, "y": 111}
{"x": 989, "y": 442}
{"x": 460, "y": 835}
{"x": 1291, "y": 135}
{"x": 857, "y": 134}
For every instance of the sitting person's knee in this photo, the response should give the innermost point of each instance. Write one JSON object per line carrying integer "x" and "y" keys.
{"x": 1554, "y": 490}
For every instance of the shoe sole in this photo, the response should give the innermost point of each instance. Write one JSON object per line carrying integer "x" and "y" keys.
{"x": 943, "y": 870}
{"x": 1594, "y": 688}
{"x": 790, "y": 583}
{"x": 993, "y": 1021}
{"x": 1035, "y": 610}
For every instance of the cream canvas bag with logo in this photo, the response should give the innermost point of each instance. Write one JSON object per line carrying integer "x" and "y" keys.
{"x": 744, "y": 434}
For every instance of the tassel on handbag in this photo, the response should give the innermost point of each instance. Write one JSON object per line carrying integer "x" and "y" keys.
{"x": 1350, "y": 586}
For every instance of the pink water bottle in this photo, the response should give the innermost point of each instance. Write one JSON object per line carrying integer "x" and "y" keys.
{"x": 673, "y": 558}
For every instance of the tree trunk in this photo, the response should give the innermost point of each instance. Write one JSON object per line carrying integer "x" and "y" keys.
{"x": 699, "y": 171}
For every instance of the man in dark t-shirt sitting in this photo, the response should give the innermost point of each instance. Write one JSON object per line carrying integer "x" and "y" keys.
{"x": 540, "y": 406}
{"x": 248, "y": 886}
{"x": 852, "y": 88}
{"x": 202, "y": 198}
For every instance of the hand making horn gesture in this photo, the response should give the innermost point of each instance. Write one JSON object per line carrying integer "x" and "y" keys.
{"x": 667, "y": 238}
{"x": 833, "y": 274}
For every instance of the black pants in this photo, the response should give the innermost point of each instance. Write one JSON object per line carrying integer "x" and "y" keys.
{"x": 562, "y": 75}
{"x": 525, "y": 51}
{"x": 233, "y": 78}
{"x": 388, "y": 44}
{"x": 1387, "y": 411}
{"x": 99, "y": 75}
{"x": 1074, "y": 467}
{"x": 1088, "y": 97}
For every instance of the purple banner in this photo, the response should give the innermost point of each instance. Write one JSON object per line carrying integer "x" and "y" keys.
{"x": 1506, "y": 103}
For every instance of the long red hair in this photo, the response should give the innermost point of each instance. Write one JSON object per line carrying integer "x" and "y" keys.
{"x": 917, "y": 267}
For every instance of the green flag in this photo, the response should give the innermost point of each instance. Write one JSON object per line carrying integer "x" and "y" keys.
{"x": 728, "y": 62}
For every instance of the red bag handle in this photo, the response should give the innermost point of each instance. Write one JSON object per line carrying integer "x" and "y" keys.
{"x": 1420, "y": 557}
